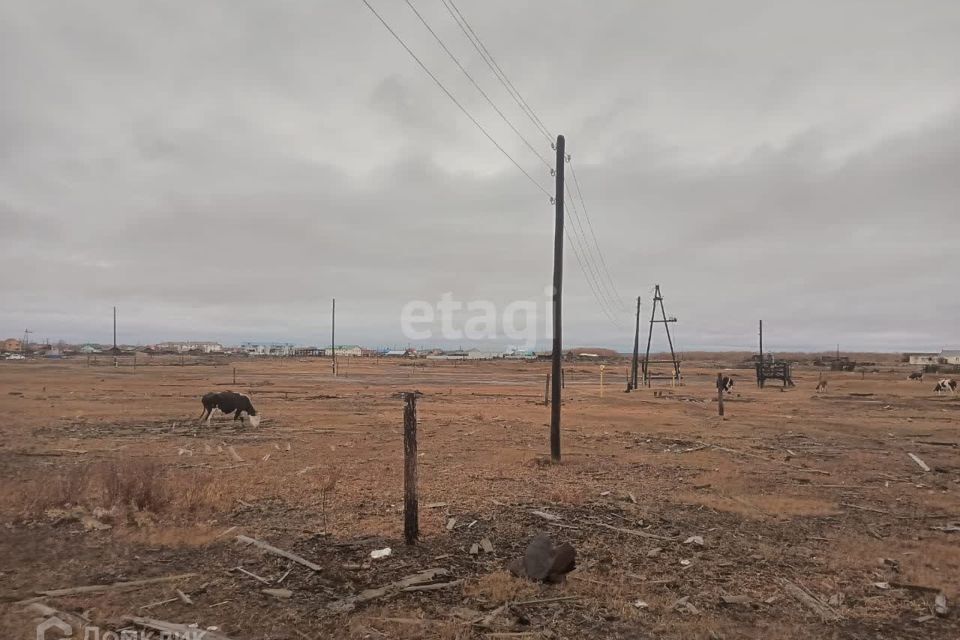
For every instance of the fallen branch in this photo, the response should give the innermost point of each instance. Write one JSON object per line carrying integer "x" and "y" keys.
{"x": 251, "y": 574}
{"x": 97, "y": 588}
{"x": 860, "y": 508}
{"x": 544, "y": 600}
{"x": 433, "y": 587}
{"x": 635, "y": 532}
{"x": 157, "y": 604}
{"x": 349, "y": 603}
{"x": 279, "y": 552}
{"x": 804, "y": 597}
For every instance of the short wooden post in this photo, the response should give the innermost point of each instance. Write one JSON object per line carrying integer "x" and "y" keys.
{"x": 563, "y": 378}
{"x": 546, "y": 393}
{"x": 234, "y": 375}
{"x": 134, "y": 362}
{"x": 601, "y": 381}
{"x": 720, "y": 395}
{"x": 411, "y": 518}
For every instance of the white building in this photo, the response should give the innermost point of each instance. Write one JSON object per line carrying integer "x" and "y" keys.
{"x": 187, "y": 346}
{"x": 924, "y": 358}
{"x": 267, "y": 348}
{"x": 950, "y": 356}
{"x": 348, "y": 350}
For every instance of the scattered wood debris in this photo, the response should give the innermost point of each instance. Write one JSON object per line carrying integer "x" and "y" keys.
{"x": 547, "y": 516}
{"x": 424, "y": 577}
{"x": 940, "y": 604}
{"x": 635, "y": 532}
{"x": 807, "y": 599}
{"x": 98, "y": 588}
{"x": 174, "y": 629}
{"x": 920, "y": 462}
{"x": 279, "y": 552}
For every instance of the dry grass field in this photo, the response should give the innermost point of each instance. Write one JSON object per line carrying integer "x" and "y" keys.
{"x": 797, "y": 516}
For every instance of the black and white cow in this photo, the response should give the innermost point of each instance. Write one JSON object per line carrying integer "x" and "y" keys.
{"x": 916, "y": 375}
{"x": 725, "y": 384}
{"x": 945, "y": 385}
{"x": 229, "y": 402}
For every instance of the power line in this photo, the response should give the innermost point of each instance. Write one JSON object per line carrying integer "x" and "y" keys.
{"x": 453, "y": 99}
{"x": 474, "y": 82}
{"x": 588, "y": 256}
{"x": 477, "y": 43}
{"x": 606, "y": 271}
{"x": 576, "y": 253}
{"x": 590, "y": 271}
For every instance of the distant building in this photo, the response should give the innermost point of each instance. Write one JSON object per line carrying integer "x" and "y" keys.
{"x": 310, "y": 352}
{"x": 950, "y": 356}
{"x": 90, "y": 348}
{"x": 10, "y": 344}
{"x": 461, "y": 354}
{"x": 188, "y": 346}
{"x": 924, "y": 358}
{"x": 348, "y": 350}
{"x": 268, "y": 348}
{"x": 516, "y": 353}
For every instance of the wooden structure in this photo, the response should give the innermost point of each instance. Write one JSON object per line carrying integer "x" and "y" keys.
{"x": 648, "y": 375}
{"x": 770, "y": 369}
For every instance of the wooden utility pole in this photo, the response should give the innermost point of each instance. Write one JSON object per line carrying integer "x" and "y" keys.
{"x": 761, "y": 341}
{"x": 411, "y": 517}
{"x": 720, "y": 394}
{"x": 115, "y": 363}
{"x": 557, "y": 303}
{"x": 636, "y": 351}
{"x": 760, "y": 364}
{"x": 333, "y": 337}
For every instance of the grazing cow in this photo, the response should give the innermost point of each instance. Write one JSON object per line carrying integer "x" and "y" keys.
{"x": 229, "y": 402}
{"x": 725, "y": 384}
{"x": 945, "y": 385}
{"x": 916, "y": 375}
{"x": 821, "y": 385}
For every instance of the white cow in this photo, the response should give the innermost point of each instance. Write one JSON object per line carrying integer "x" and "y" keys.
{"x": 945, "y": 385}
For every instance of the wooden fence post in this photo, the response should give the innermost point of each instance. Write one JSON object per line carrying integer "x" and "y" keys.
{"x": 563, "y": 378}
{"x": 720, "y": 394}
{"x": 546, "y": 393}
{"x": 411, "y": 518}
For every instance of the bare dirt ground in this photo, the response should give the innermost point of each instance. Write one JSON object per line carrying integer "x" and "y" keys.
{"x": 107, "y": 477}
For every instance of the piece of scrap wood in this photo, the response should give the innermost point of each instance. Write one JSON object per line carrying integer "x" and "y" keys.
{"x": 920, "y": 463}
{"x": 804, "y": 597}
{"x": 279, "y": 552}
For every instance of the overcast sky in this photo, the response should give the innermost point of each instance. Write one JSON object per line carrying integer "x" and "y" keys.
{"x": 221, "y": 169}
